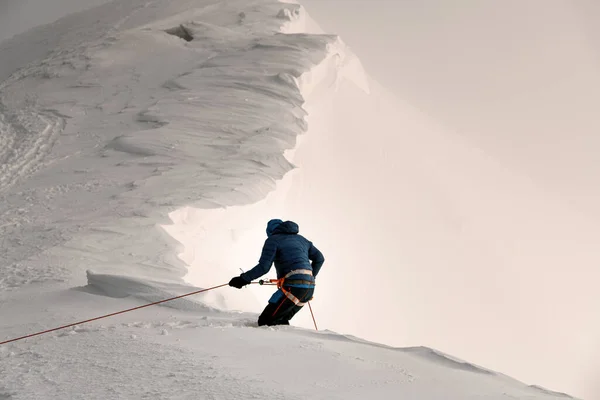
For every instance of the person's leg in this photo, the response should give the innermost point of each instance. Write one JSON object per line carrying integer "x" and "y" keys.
{"x": 283, "y": 310}
{"x": 284, "y": 318}
{"x": 302, "y": 294}
{"x": 273, "y": 312}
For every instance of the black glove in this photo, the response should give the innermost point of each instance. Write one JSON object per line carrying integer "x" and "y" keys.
{"x": 238, "y": 282}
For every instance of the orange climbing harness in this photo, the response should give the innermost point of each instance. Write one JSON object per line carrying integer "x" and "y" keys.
{"x": 280, "y": 282}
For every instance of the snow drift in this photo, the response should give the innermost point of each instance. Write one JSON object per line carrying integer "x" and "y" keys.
{"x": 172, "y": 113}
{"x": 154, "y": 123}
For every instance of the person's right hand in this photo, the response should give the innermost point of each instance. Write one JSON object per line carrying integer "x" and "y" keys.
{"x": 238, "y": 282}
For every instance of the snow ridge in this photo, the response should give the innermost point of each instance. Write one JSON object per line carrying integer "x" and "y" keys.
{"x": 146, "y": 290}
{"x": 551, "y": 392}
{"x": 127, "y": 142}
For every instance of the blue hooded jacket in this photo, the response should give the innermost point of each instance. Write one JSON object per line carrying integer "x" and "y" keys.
{"x": 288, "y": 250}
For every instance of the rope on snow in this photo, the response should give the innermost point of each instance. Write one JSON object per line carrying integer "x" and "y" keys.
{"x": 126, "y": 311}
{"x": 110, "y": 315}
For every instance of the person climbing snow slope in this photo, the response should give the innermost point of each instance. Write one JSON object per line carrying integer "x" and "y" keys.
{"x": 297, "y": 262}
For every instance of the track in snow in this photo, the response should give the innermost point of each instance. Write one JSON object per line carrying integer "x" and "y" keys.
{"x": 26, "y": 138}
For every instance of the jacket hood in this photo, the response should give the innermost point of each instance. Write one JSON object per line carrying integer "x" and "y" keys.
{"x": 276, "y": 226}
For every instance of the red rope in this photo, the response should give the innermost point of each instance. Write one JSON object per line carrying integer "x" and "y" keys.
{"x": 311, "y": 313}
{"x": 110, "y": 315}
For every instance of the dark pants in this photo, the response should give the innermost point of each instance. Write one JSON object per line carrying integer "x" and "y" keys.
{"x": 283, "y": 309}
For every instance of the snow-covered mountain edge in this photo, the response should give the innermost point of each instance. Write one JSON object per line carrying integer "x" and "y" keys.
{"x": 147, "y": 131}
{"x": 41, "y": 238}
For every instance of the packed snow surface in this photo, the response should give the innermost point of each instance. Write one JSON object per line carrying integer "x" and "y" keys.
{"x": 118, "y": 126}
{"x": 189, "y": 351}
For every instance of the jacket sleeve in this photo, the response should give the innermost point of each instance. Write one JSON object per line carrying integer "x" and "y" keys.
{"x": 264, "y": 264}
{"x": 317, "y": 259}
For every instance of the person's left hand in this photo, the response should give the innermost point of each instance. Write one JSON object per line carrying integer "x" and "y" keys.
{"x": 238, "y": 282}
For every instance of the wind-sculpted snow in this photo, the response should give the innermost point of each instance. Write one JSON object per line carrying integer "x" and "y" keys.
{"x": 149, "y": 291}
{"x": 117, "y": 127}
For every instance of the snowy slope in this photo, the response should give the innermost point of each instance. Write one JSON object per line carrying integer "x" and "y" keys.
{"x": 122, "y": 124}
{"x": 150, "y": 123}
{"x": 195, "y": 353}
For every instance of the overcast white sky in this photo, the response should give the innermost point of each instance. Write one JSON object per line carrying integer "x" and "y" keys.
{"x": 519, "y": 79}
